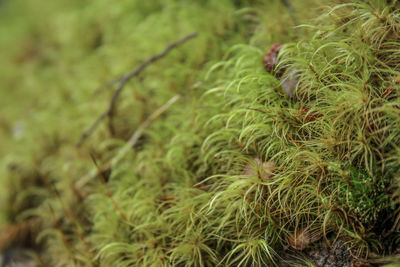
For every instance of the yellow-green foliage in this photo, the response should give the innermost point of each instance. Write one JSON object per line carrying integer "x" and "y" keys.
{"x": 184, "y": 195}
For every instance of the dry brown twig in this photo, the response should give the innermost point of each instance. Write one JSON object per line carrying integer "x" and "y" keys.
{"x": 122, "y": 82}
{"x": 134, "y": 138}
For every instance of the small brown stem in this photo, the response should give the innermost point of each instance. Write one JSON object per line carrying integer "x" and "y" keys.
{"x": 109, "y": 112}
{"x": 134, "y": 138}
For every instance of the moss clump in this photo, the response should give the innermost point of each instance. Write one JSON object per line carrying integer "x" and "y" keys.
{"x": 364, "y": 197}
{"x": 235, "y": 172}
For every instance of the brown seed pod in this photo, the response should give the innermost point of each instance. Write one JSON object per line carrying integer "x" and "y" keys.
{"x": 289, "y": 78}
{"x": 264, "y": 170}
{"x": 271, "y": 58}
{"x": 300, "y": 239}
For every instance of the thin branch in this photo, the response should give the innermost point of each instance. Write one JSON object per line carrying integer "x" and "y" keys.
{"x": 107, "y": 85}
{"x": 134, "y": 138}
{"x": 122, "y": 82}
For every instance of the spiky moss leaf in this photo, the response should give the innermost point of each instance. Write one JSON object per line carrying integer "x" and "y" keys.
{"x": 150, "y": 168}
{"x": 79, "y": 47}
{"x": 231, "y": 218}
{"x": 348, "y": 82}
{"x": 348, "y": 101}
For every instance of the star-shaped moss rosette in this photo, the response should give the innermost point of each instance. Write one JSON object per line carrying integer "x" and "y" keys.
{"x": 257, "y": 167}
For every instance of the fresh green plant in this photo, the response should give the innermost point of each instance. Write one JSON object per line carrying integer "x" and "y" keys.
{"x": 233, "y": 173}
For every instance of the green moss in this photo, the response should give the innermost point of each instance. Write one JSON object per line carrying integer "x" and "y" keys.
{"x": 193, "y": 191}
